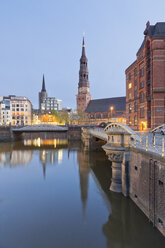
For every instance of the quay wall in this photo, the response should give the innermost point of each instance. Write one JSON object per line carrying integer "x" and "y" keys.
{"x": 6, "y": 134}
{"x": 147, "y": 185}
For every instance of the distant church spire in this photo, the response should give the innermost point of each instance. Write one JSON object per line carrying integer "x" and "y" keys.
{"x": 43, "y": 84}
{"x": 42, "y": 96}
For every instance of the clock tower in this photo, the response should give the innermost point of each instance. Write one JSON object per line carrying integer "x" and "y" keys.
{"x": 83, "y": 96}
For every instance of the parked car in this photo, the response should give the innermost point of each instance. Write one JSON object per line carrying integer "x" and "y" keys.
{"x": 102, "y": 124}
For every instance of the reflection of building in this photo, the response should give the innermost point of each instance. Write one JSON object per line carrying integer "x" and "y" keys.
{"x": 48, "y": 103}
{"x": 83, "y": 96}
{"x": 50, "y": 157}
{"x": 145, "y": 81}
{"x": 20, "y": 157}
{"x": 84, "y": 170}
{"x": 108, "y": 109}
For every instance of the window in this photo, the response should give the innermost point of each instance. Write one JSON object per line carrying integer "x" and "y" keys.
{"x": 135, "y": 82}
{"x": 129, "y": 95}
{"x": 135, "y": 72}
{"x": 130, "y": 120}
{"x": 141, "y": 72}
{"x": 129, "y": 76}
{"x": 160, "y": 182}
{"x": 135, "y": 107}
{"x": 129, "y": 85}
{"x": 140, "y": 55}
{"x": 135, "y": 93}
{"x": 142, "y": 112}
{"x": 141, "y": 97}
{"x": 141, "y": 85}
{"x": 130, "y": 108}
{"x": 135, "y": 120}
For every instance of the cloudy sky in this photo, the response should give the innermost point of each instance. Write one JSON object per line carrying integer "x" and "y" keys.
{"x": 45, "y": 36}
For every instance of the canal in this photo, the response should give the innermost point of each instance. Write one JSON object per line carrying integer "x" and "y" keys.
{"x": 55, "y": 195}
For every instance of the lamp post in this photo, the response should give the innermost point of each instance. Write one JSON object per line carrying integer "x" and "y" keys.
{"x": 111, "y": 109}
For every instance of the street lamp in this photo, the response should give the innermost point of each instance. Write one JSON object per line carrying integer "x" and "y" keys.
{"x": 111, "y": 109}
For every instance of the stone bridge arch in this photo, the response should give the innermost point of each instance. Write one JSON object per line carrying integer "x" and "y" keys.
{"x": 121, "y": 128}
{"x": 158, "y": 128}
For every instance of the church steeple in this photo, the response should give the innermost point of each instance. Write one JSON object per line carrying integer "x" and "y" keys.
{"x": 43, "y": 84}
{"x": 42, "y": 96}
{"x": 83, "y": 96}
{"x": 83, "y": 48}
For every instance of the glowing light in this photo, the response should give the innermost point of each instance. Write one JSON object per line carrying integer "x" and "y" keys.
{"x": 60, "y": 156}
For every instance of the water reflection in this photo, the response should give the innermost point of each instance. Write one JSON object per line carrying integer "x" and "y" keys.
{"x": 126, "y": 225}
{"x": 14, "y": 158}
{"x": 84, "y": 170}
{"x": 38, "y": 142}
{"x": 122, "y": 226}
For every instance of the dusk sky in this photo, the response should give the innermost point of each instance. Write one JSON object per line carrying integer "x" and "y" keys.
{"x": 46, "y": 37}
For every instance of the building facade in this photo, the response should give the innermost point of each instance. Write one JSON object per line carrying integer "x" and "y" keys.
{"x": 107, "y": 110}
{"x": 145, "y": 81}
{"x": 5, "y": 114}
{"x": 48, "y": 103}
{"x": 83, "y": 97}
{"x": 21, "y": 111}
{"x": 15, "y": 110}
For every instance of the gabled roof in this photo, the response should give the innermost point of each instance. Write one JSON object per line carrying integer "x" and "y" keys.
{"x": 157, "y": 30}
{"x": 154, "y": 31}
{"x": 103, "y": 105}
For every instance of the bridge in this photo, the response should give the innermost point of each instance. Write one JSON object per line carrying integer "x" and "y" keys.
{"x": 142, "y": 141}
{"x": 40, "y": 128}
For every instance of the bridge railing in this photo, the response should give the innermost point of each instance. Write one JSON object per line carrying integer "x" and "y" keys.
{"x": 150, "y": 142}
{"x": 96, "y": 132}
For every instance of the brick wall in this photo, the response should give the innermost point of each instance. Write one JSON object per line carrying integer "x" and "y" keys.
{"x": 147, "y": 186}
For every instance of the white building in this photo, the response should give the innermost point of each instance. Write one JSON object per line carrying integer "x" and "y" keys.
{"x": 5, "y": 114}
{"x": 15, "y": 110}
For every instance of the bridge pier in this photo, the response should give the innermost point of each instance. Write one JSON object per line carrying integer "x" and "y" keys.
{"x": 118, "y": 139}
{"x": 117, "y": 149}
{"x": 90, "y": 142}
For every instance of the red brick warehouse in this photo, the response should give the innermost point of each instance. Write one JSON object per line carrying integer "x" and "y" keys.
{"x": 145, "y": 81}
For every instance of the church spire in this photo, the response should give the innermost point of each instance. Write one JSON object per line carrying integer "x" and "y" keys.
{"x": 83, "y": 48}
{"x": 83, "y": 96}
{"x": 43, "y": 85}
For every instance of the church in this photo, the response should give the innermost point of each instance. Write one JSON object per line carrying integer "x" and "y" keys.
{"x": 97, "y": 110}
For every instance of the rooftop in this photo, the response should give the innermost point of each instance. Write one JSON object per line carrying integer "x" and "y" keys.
{"x": 103, "y": 105}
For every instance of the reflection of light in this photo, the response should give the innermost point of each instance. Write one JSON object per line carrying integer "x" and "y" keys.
{"x": 60, "y": 155}
{"x": 43, "y": 155}
{"x": 48, "y": 142}
{"x": 38, "y": 142}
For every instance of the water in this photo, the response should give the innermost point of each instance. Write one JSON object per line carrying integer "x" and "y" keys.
{"x": 52, "y": 194}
